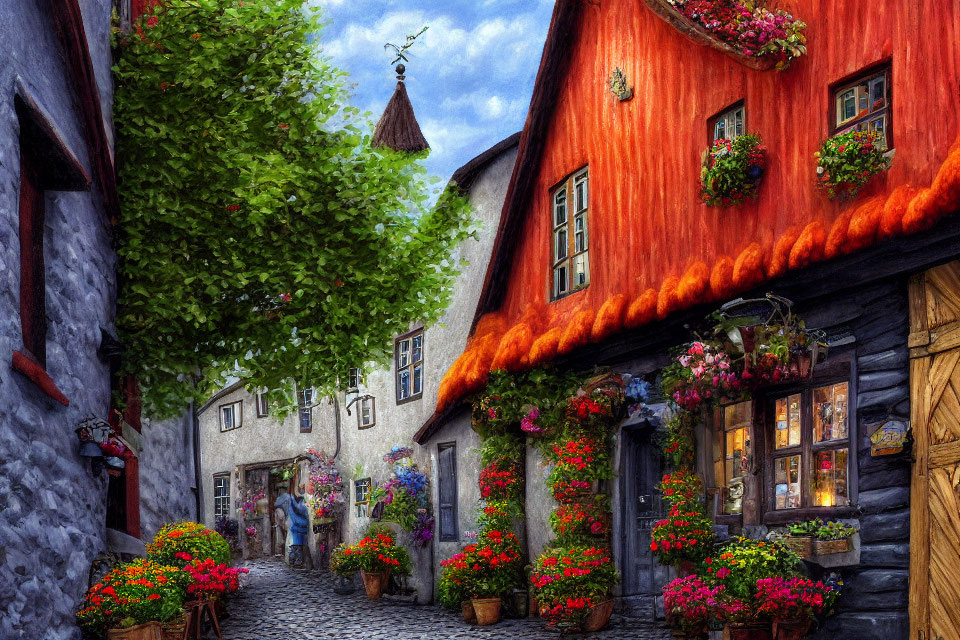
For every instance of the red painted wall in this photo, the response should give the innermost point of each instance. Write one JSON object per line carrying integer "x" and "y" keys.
{"x": 648, "y": 228}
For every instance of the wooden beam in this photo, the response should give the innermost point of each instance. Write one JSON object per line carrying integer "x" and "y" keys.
{"x": 919, "y": 604}
{"x": 942, "y": 455}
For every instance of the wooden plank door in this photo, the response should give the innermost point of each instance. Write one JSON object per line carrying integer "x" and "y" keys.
{"x": 935, "y": 485}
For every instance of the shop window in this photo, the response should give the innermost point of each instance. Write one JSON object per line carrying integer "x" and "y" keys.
{"x": 367, "y": 415}
{"x": 221, "y": 495}
{"x": 362, "y": 489}
{"x": 570, "y": 237}
{"x": 729, "y": 125}
{"x": 263, "y": 404}
{"x": 809, "y": 456}
{"x": 447, "y": 492}
{"x": 864, "y": 104}
{"x": 408, "y": 354}
{"x": 736, "y": 448}
{"x": 231, "y": 416}
{"x": 305, "y": 402}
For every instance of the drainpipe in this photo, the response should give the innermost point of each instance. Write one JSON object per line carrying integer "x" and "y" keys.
{"x": 198, "y": 491}
{"x": 336, "y": 420}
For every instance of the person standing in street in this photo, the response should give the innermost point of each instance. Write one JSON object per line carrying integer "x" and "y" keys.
{"x": 299, "y": 520}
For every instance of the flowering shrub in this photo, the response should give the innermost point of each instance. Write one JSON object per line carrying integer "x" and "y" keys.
{"x": 495, "y": 515}
{"x": 406, "y": 499}
{"x": 211, "y": 579}
{"x": 488, "y": 568}
{"x": 847, "y": 161}
{"x": 752, "y": 29}
{"x": 574, "y": 522}
{"x": 133, "y": 594}
{"x": 689, "y": 603}
{"x": 528, "y": 423}
{"x": 791, "y": 598}
{"x": 500, "y": 480}
{"x": 684, "y": 535}
{"x": 327, "y": 494}
{"x": 583, "y": 458}
{"x": 396, "y": 454}
{"x": 701, "y": 371}
{"x": 677, "y": 442}
{"x": 188, "y": 538}
{"x": 458, "y": 580}
{"x": 681, "y": 487}
{"x": 568, "y": 580}
{"x": 741, "y": 563}
{"x": 731, "y": 170}
{"x": 372, "y": 554}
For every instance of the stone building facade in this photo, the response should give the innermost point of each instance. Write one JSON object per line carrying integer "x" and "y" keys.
{"x": 58, "y": 290}
{"x": 268, "y": 442}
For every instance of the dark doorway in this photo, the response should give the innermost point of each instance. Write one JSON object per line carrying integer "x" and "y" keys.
{"x": 641, "y": 469}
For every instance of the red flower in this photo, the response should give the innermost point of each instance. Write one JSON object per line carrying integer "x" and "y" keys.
{"x": 152, "y": 21}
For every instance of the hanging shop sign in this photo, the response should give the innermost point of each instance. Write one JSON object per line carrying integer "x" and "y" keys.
{"x": 889, "y": 437}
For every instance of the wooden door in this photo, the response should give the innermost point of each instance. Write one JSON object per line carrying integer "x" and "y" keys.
{"x": 935, "y": 486}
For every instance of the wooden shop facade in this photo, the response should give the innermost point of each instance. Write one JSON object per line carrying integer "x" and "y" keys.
{"x": 607, "y": 255}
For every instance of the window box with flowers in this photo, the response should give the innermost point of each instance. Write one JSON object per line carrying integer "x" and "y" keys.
{"x": 847, "y": 162}
{"x": 731, "y": 170}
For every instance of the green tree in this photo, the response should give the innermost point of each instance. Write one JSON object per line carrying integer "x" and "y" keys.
{"x": 258, "y": 225}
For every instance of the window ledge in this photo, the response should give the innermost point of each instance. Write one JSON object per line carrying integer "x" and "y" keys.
{"x": 35, "y": 372}
{"x": 410, "y": 399}
{"x": 785, "y": 516}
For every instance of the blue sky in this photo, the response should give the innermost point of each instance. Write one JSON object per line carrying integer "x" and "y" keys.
{"x": 470, "y": 76}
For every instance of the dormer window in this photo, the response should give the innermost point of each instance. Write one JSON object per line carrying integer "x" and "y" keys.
{"x": 571, "y": 265}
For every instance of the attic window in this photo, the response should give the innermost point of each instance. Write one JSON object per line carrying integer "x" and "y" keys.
{"x": 571, "y": 265}
{"x": 863, "y": 104}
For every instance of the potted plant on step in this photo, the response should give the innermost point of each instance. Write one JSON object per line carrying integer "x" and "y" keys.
{"x": 132, "y": 601}
{"x": 689, "y": 603}
{"x": 792, "y": 604}
{"x": 573, "y": 586}
{"x": 497, "y": 569}
{"x": 375, "y": 557}
{"x": 741, "y": 618}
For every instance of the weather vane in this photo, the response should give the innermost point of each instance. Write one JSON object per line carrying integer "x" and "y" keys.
{"x": 401, "y": 51}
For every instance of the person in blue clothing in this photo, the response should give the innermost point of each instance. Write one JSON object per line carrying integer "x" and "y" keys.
{"x": 299, "y": 519}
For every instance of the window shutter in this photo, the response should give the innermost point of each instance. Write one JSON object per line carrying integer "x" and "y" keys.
{"x": 448, "y": 491}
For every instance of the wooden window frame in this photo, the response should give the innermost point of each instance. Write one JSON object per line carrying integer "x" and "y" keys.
{"x": 362, "y": 506}
{"x": 410, "y": 366}
{"x": 448, "y": 536}
{"x": 237, "y": 407}
{"x": 373, "y": 412}
{"x": 838, "y": 371}
{"x": 712, "y": 121}
{"x": 262, "y": 404}
{"x": 304, "y": 409}
{"x": 217, "y": 512}
{"x": 572, "y": 211}
{"x": 865, "y": 75}
{"x": 354, "y": 378}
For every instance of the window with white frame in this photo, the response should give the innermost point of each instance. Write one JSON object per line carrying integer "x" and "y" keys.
{"x": 367, "y": 413}
{"x": 864, "y": 105}
{"x": 729, "y": 125}
{"x": 231, "y": 416}
{"x": 221, "y": 495}
{"x": 362, "y": 489}
{"x": 570, "y": 237}
{"x": 305, "y": 404}
{"x": 263, "y": 405}
{"x": 409, "y": 364}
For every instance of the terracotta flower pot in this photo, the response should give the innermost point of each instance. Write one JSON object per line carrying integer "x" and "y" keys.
{"x": 599, "y": 616}
{"x": 752, "y": 631}
{"x": 469, "y": 615}
{"x": 145, "y": 631}
{"x": 534, "y": 607}
{"x": 791, "y": 629}
{"x": 373, "y": 583}
{"x": 488, "y": 610}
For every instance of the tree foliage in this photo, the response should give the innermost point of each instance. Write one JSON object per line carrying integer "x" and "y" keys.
{"x": 258, "y": 225}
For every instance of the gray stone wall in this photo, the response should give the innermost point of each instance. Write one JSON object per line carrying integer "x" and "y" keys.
{"x": 52, "y": 508}
{"x": 166, "y": 473}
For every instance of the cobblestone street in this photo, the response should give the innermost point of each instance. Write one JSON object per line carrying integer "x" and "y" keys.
{"x": 282, "y": 603}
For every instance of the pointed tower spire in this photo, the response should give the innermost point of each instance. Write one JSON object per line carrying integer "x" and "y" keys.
{"x": 398, "y": 127}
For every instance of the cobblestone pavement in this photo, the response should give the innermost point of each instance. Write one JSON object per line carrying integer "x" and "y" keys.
{"x": 277, "y": 603}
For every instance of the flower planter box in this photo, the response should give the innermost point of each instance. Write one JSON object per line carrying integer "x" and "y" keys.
{"x": 827, "y": 547}
{"x": 790, "y": 629}
{"x": 175, "y": 627}
{"x": 800, "y": 545}
{"x": 755, "y": 631}
{"x": 487, "y": 610}
{"x": 146, "y": 631}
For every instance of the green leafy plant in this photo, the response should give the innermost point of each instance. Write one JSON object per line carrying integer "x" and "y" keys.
{"x": 847, "y": 161}
{"x": 834, "y": 531}
{"x": 180, "y": 543}
{"x": 731, "y": 170}
{"x": 290, "y": 246}
{"x": 805, "y": 528}
{"x": 677, "y": 442}
{"x": 741, "y": 563}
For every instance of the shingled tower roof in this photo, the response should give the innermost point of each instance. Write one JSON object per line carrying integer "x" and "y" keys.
{"x": 398, "y": 128}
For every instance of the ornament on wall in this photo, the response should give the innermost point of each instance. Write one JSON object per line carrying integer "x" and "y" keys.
{"x": 889, "y": 437}
{"x": 618, "y": 85}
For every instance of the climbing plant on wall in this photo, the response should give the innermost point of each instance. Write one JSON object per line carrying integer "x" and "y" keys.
{"x": 258, "y": 226}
